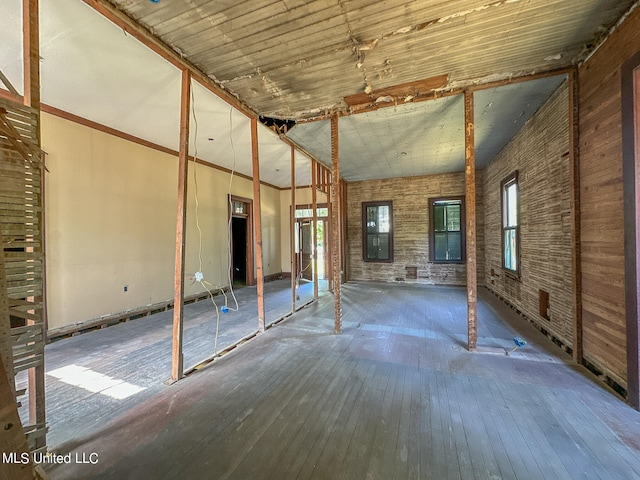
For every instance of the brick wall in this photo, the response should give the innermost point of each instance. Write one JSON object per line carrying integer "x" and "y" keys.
{"x": 540, "y": 153}
{"x": 410, "y": 196}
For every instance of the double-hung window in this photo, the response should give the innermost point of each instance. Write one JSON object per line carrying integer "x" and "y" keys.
{"x": 447, "y": 229}
{"x": 377, "y": 231}
{"x": 510, "y": 224}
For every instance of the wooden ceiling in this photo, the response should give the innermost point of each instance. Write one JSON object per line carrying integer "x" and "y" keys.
{"x": 300, "y": 60}
{"x": 297, "y": 59}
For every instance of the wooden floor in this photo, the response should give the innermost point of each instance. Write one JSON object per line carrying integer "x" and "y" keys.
{"x": 396, "y": 395}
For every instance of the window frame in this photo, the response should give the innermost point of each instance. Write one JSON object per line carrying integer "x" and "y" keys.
{"x": 365, "y": 205}
{"x": 511, "y": 179}
{"x": 463, "y": 228}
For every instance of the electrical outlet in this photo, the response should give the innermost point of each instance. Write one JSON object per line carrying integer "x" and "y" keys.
{"x": 126, "y": 288}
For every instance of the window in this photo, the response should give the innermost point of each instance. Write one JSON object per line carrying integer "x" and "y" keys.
{"x": 447, "y": 230}
{"x": 377, "y": 231}
{"x": 510, "y": 223}
{"x": 308, "y": 212}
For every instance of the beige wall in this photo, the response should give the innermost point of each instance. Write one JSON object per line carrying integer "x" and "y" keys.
{"x": 110, "y": 219}
{"x": 540, "y": 153}
{"x": 410, "y": 198}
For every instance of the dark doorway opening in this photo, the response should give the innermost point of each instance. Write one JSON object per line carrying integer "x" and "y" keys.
{"x": 239, "y": 249}
{"x": 241, "y": 241}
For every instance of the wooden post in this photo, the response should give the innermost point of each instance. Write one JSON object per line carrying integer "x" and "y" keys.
{"x": 292, "y": 231}
{"x": 329, "y": 232}
{"x": 31, "y": 53}
{"x": 574, "y": 180}
{"x": 31, "y": 98}
{"x": 314, "y": 206}
{"x": 177, "y": 366}
{"x": 257, "y": 223}
{"x": 470, "y": 212}
{"x": 343, "y": 230}
{"x": 335, "y": 221}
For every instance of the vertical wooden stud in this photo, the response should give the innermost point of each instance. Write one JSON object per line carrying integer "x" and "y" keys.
{"x": 631, "y": 215}
{"x": 257, "y": 223}
{"x": 177, "y": 366}
{"x": 329, "y": 233}
{"x": 31, "y": 52}
{"x": 335, "y": 221}
{"x": 343, "y": 229}
{"x": 574, "y": 181}
{"x": 314, "y": 206}
{"x": 470, "y": 213}
{"x": 292, "y": 231}
{"x": 31, "y": 98}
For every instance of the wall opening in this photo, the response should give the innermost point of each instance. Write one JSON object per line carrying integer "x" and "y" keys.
{"x": 239, "y": 249}
{"x": 240, "y": 241}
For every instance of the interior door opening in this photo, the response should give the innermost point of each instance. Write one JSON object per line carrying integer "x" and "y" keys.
{"x": 239, "y": 250}
{"x": 304, "y": 247}
{"x": 241, "y": 266}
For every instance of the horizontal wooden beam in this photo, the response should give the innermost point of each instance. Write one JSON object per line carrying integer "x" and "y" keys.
{"x": 471, "y": 86}
{"x": 402, "y": 92}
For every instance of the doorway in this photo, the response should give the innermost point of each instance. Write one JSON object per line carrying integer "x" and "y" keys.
{"x": 240, "y": 241}
{"x": 239, "y": 250}
{"x": 304, "y": 242}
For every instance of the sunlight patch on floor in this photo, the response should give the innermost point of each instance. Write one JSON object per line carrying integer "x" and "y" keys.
{"x": 95, "y": 382}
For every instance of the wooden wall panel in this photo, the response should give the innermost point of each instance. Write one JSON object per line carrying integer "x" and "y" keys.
{"x": 410, "y": 196}
{"x": 601, "y": 193}
{"x": 540, "y": 153}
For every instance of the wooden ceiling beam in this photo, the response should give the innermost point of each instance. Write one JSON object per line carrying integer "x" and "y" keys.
{"x": 435, "y": 94}
{"x": 403, "y": 92}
